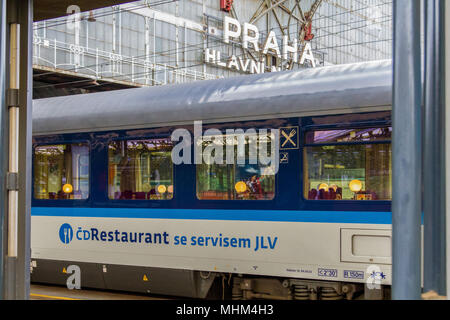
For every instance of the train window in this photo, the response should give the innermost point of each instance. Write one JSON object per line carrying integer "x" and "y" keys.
{"x": 348, "y": 165}
{"x": 61, "y": 171}
{"x": 242, "y": 179}
{"x": 140, "y": 170}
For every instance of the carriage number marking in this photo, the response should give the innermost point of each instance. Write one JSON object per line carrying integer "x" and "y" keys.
{"x": 331, "y": 273}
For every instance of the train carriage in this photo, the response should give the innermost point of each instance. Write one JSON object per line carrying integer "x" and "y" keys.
{"x": 313, "y": 222}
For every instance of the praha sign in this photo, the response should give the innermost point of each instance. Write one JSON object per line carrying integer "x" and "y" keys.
{"x": 232, "y": 29}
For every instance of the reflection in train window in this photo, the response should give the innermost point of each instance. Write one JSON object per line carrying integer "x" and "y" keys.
{"x": 61, "y": 171}
{"x": 348, "y": 135}
{"x": 140, "y": 170}
{"x": 338, "y": 170}
{"x": 243, "y": 176}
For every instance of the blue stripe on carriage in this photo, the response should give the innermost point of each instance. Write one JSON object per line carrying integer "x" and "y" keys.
{"x": 354, "y": 217}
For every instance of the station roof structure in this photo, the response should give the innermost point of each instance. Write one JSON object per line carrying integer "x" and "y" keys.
{"x": 48, "y": 9}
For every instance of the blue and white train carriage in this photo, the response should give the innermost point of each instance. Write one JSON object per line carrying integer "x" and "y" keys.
{"x": 108, "y": 197}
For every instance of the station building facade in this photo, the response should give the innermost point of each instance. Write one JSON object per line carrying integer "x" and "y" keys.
{"x": 159, "y": 42}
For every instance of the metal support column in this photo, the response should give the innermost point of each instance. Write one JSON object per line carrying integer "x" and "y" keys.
{"x": 18, "y": 177}
{"x": 434, "y": 150}
{"x": 25, "y": 148}
{"x": 3, "y": 143}
{"x": 407, "y": 155}
{"x": 447, "y": 137}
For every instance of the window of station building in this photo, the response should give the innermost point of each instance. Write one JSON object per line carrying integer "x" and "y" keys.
{"x": 350, "y": 164}
{"x": 61, "y": 171}
{"x": 140, "y": 170}
{"x": 245, "y": 178}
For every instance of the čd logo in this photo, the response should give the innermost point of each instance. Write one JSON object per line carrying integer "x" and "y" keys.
{"x": 66, "y": 233}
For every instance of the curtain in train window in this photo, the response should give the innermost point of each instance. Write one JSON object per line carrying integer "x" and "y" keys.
{"x": 140, "y": 170}
{"x": 61, "y": 171}
{"x": 242, "y": 177}
{"x": 345, "y": 165}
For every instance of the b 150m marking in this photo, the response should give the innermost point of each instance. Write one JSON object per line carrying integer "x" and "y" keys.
{"x": 350, "y": 274}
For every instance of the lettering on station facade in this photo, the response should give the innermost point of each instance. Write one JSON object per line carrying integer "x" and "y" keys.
{"x": 250, "y": 35}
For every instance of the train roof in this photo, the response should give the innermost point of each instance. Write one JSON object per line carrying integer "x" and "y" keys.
{"x": 327, "y": 90}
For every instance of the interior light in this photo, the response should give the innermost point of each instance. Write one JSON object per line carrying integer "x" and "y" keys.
{"x": 67, "y": 188}
{"x": 355, "y": 185}
{"x": 162, "y": 188}
{"x": 146, "y": 187}
{"x": 240, "y": 187}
